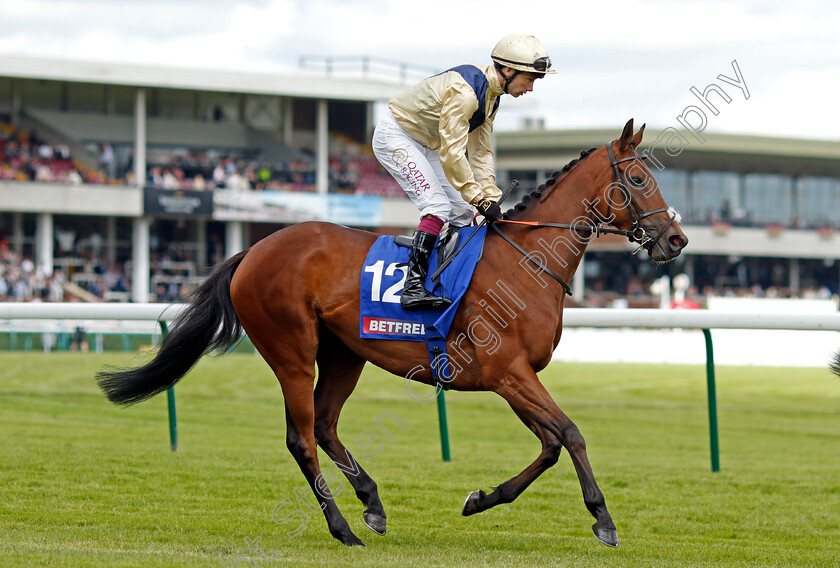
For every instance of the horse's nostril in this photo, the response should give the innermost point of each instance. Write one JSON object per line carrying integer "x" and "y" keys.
{"x": 677, "y": 242}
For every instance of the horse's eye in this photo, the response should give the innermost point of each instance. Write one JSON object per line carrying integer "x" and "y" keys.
{"x": 636, "y": 180}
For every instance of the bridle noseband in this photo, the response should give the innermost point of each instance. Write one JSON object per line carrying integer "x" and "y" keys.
{"x": 636, "y": 234}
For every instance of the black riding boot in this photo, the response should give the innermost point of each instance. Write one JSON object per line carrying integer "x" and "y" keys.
{"x": 414, "y": 294}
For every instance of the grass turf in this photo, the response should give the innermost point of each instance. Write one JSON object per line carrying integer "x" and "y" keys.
{"x": 87, "y": 484}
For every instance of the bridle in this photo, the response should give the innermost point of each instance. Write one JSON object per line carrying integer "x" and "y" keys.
{"x": 635, "y": 234}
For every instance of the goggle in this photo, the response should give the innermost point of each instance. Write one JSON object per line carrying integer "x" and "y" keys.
{"x": 541, "y": 65}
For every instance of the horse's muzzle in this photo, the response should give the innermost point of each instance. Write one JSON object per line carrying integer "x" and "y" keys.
{"x": 669, "y": 245}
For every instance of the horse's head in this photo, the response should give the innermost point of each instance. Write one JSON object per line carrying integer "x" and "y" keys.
{"x": 632, "y": 201}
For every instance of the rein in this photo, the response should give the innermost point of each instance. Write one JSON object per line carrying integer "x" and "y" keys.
{"x": 636, "y": 234}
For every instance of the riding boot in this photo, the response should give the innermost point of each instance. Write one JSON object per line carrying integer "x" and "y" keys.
{"x": 414, "y": 294}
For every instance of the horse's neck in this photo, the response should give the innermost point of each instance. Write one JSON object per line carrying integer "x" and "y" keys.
{"x": 570, "y": 202}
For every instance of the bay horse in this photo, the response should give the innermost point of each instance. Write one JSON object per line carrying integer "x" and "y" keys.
{"x": 296, "y": 295}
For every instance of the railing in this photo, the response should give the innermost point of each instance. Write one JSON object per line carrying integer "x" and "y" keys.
{"x": 160, "y": 313}
{"x": 366, "y": 68}
{"x": 706, "y": 321}
{"x": 572, "y": 317}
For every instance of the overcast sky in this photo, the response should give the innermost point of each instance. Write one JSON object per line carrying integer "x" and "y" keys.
{"x": 615, "y": 59}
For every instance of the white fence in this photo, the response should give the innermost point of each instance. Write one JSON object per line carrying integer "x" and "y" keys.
{"x": 633, "y": 335}
{"x": 674, "y": 336}
{"x": 572, "y": 318}
{"x": 80, "y": 311}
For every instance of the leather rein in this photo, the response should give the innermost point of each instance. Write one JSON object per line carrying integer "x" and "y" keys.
{"x": 636, "y": 234}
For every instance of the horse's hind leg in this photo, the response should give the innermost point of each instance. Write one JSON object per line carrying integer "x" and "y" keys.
{"x": 290, "y": 350}
{"x": 338, "y": 373}
{"x": 301, "y": 443}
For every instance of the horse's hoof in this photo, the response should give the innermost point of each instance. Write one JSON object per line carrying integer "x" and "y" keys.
{"x": 347, "y": 538}
{"x": 376, "y": 523}
{"x": 353, "y": 540}
{"x": 471, "y": 504}
{"x": 605, "y": 535}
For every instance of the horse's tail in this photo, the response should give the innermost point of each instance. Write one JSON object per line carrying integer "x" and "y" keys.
{"x": 208, "y": 322}
{"x": 834, "y": 365}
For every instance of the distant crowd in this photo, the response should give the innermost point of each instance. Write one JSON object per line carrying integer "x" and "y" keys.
{"x": 26, "y": 157}
{"x": 22, "y": 281}
{"x": 88, "y": 277}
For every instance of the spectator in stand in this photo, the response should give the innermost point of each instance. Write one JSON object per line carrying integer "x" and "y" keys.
{"x": 43, "y": 173}
{"x": 108, "y": 161}
{"x": 169, "y": 181}
{"x": 115, "y": 279}
{"x": 219, "y": 175}
{"x": 155, "y": 177}
{"x": 61, "y": 152}
{"x": 74, "y": 177}
{"x": 45, "y": 152}
{"x": 56, "y": 286}
{"x": 199, "y": 183}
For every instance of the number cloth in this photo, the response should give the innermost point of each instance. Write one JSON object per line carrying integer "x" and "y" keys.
{"x": 382, "y": 278}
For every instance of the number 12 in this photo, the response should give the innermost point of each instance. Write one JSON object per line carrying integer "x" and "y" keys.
{"x": 390, "y": 295}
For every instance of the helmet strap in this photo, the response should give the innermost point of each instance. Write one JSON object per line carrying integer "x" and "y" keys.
{"x": 507, "y": 79}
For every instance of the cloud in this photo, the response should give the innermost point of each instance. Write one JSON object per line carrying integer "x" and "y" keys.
{"x": 616, "y": 59}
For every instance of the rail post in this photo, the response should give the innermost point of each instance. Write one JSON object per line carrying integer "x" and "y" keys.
{"x": 444, "y": 428}
{"x": 710, "y": 386}
{"x": 170, "y": 401}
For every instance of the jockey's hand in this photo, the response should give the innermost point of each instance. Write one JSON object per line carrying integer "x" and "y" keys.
{"x": 490, "y": 210}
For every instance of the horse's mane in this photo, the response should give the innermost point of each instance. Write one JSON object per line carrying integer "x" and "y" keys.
{"x": 549, "y": 183}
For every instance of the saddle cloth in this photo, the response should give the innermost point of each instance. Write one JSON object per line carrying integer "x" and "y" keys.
{"x": 382, "y": 279}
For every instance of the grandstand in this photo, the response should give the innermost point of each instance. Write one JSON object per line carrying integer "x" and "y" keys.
{"x": 125, "y": 182}
{"x": 761, "y": 213}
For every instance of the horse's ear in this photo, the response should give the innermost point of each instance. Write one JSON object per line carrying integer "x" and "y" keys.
{"x": 626, "y": 136}
{"x": 637, "y": 138}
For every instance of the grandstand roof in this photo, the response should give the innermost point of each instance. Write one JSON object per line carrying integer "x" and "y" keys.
{"x": 551, "y": 149}
{"x": 163, "y": 76}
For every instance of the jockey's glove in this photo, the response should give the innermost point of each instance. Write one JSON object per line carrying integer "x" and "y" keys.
{"x": 490, "y": 209}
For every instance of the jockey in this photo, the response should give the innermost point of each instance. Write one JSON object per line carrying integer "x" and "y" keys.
{"x": 434, "y": 139}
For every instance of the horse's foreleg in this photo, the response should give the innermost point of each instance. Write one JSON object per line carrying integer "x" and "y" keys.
{"x": 300, "y": 440}
{"x": 507, "y": 492}
{"x": 338, "y": 373}
{"x": 604, "y": 528}
{"x": 535, "y": 407}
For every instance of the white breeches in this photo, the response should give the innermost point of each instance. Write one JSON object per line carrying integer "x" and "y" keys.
{"x": 419, "y": 172}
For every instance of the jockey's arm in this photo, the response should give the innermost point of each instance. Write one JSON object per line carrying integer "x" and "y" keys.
{"x": 481, "y": 160}
{"x": 458, "y": 105}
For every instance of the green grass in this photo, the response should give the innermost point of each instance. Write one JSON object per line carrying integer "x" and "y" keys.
{"x": 87, "y": 484}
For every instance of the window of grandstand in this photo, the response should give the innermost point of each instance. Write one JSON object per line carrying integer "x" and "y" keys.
{"x": 817, "y": 202}
{"x": 768, "y": 199}
{"x": 712, "y": 195}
